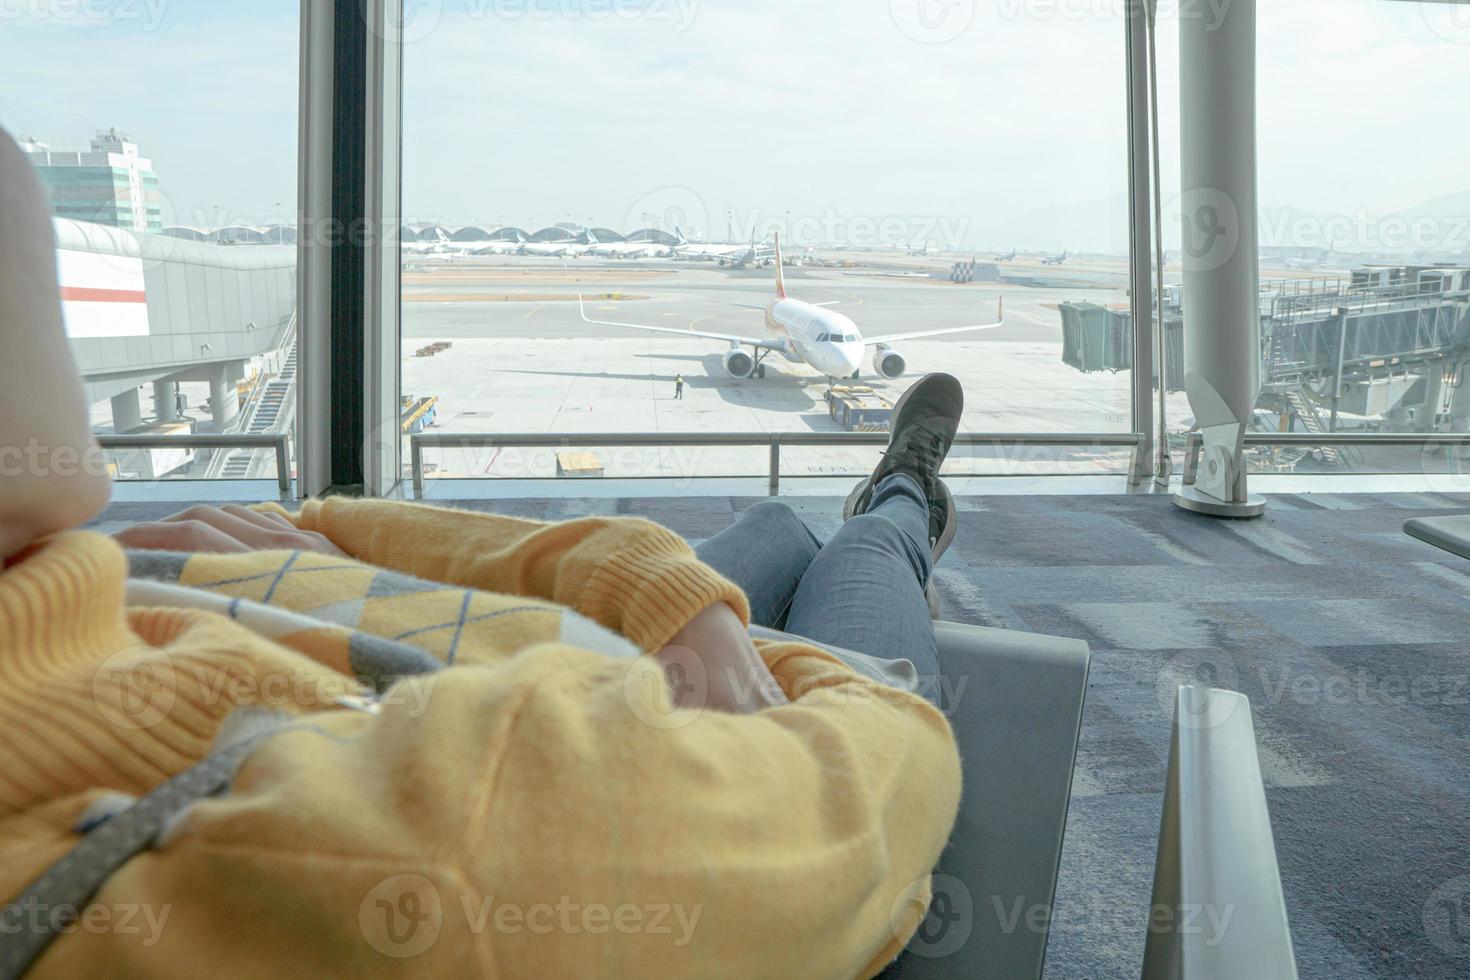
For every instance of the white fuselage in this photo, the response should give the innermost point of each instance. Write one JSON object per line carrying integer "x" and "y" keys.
{"x": 828, "y": 341}
{"x": 552, "y": 249}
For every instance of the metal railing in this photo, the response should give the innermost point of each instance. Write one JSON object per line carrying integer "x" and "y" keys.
{"x": 774, "y": 440}
{"x": 1195, "y": 441}
{"x": 279, "y": 441}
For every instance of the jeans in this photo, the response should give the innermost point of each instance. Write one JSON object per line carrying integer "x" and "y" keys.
{"x": 863, "y": 591}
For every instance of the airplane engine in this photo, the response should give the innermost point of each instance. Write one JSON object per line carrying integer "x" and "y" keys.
{"x": 889, "y": 363}
{"x": 739, "y": 364}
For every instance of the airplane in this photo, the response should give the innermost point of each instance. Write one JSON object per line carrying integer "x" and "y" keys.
{"x": 1309, "y": 264}
{"x": 441, "y": 245}
{"x": 806, "y": 333}
{"x": 688, "y": 249}
{"x": 1055, "y": 259}
{"x": 503, "y": 248}
{"x": 631, "y": 250}
{"x": 1007, "y": 258}
{"x": 558, "y": 250}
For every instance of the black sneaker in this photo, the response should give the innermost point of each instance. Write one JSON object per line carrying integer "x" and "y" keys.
{"x": 924, "y": 424}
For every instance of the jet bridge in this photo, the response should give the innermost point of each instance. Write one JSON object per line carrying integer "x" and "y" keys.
{"x": 1387, "y": 348}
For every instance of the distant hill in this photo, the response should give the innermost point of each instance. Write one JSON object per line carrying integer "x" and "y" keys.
{"x": 1100, "y": 225}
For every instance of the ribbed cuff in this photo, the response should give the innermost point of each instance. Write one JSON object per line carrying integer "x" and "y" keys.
{"x": 64, "y": 598}
{"x": 653, "y": 589}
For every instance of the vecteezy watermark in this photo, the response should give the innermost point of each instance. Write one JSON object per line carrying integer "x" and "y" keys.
{"x": 416, "y": 20}
{"x": 680, "y": 464}
{"x": 670, "y": 209}
{"x": 1198, "y": 670}
{"x": 1363, "y": 231}
{"x": 1446, "y": 917}
{"x": 932, "y": 21}
{"x": 1450, "y": 19}
{"x": 1210, "y": 227}
{"x": 405, "y": 915}
{"x": 1446, "y": 468}
{"x": 47, "y": 462}
{"x": 137, "y": 688}
{"x": 134, "y": 919}
{"x": 678, "y": 13}
{"x": 146, "y": 14}
{"x": 1361, "y": 687}
{"x": 940, "y": 21}
{"x": 947, "y": 922}
{"x": 1016, "y": 914}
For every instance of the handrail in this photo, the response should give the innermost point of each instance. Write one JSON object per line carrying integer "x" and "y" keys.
{"x": 775, "y": 440}
{"x": 1195, "y": 441}
{"x": 279, "y": 441}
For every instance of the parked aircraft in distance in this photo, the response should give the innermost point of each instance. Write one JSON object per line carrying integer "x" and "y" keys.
{"x": 1309, "y": 264}
{"x": 1007, "y": 258}
{"x": 1055, "y": 259}
{"x": 806, "y": 333}
{"x": 503, "y": 248}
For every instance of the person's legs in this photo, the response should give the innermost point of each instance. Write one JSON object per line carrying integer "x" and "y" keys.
{"x": 865, "y": 590}
{"x": 765, "y": 552}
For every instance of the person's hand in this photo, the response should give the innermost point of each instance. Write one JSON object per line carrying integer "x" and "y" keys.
{"x": 224, "y": 530}
{"x": 712, "y": 663}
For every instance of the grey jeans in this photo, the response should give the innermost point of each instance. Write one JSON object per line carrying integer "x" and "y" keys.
{"x": 863, "y": 591}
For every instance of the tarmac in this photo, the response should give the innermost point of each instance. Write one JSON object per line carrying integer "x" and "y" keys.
{"x": 523, "y": 361}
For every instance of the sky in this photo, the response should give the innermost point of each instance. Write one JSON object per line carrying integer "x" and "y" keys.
{"x": 999, "y": 122}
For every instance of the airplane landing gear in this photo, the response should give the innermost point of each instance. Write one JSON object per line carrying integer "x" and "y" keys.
{"x": 760, "y": 356}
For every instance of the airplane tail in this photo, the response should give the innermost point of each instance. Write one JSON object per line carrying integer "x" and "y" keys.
{"x": 680, "y": 233}
{"x": 780, "y": 270}
{"x": 591, "y": 238}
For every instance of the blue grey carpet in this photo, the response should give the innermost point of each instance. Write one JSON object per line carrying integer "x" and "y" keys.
{"x": 1348, "y": 636}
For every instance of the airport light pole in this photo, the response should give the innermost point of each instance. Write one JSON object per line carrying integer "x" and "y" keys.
{"x": 1222, "y": 317}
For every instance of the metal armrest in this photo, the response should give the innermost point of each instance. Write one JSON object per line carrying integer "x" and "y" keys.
{"x": 1450, "y": 534}
{"x": 1217, "y": 911}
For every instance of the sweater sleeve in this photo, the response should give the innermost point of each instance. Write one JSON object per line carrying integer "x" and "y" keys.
{"x": 631, "y": 575}
{"x": 553, "y": 815}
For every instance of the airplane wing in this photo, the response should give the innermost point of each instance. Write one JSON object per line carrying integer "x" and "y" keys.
{"x": 728, "y": 338}
{"x": 895, "y": 338}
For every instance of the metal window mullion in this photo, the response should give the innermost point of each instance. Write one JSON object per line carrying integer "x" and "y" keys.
{"x": 314, "y": 260}
{"x": 382, "y": 438}
{"x": 1140, "y": 233}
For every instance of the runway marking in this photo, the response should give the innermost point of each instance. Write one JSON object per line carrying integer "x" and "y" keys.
{"x": 860, "y": 300}
{"x": 533, "y": 312}
{"x": 671, "y": 314}
{"x": 698, "y": 320}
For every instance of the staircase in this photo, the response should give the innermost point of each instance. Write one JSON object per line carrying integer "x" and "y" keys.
{"x": 1312, "y": 421}
{"x": 265, "y": 416}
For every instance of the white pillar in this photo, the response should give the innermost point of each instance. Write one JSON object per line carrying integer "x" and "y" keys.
{"x": 1222, "y": 322}
{"x": 224, "y": 400}
{"x": 127, "y": 412}
{"x": 166, "y": 401}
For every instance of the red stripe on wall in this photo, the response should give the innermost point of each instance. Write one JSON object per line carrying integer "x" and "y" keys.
{"x": 83, "y": 294}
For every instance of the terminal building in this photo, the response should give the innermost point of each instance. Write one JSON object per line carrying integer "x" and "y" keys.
{"x": 110, "y": 184}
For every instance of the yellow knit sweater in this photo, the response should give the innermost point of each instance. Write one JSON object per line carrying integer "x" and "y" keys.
{"x": 535, "y": 810}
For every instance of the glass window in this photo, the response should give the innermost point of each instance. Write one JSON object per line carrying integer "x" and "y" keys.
{"x": 165, "y": 135}
{"x": 986, "y": 160}
{"x": 1364, "y": 228}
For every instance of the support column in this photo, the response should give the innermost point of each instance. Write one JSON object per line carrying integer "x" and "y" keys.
{"x": 224, "y": 402}
{"x": 1222, "y": 318}
{"x": 127, "y": 412}
{"x": 166, "y": 400}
